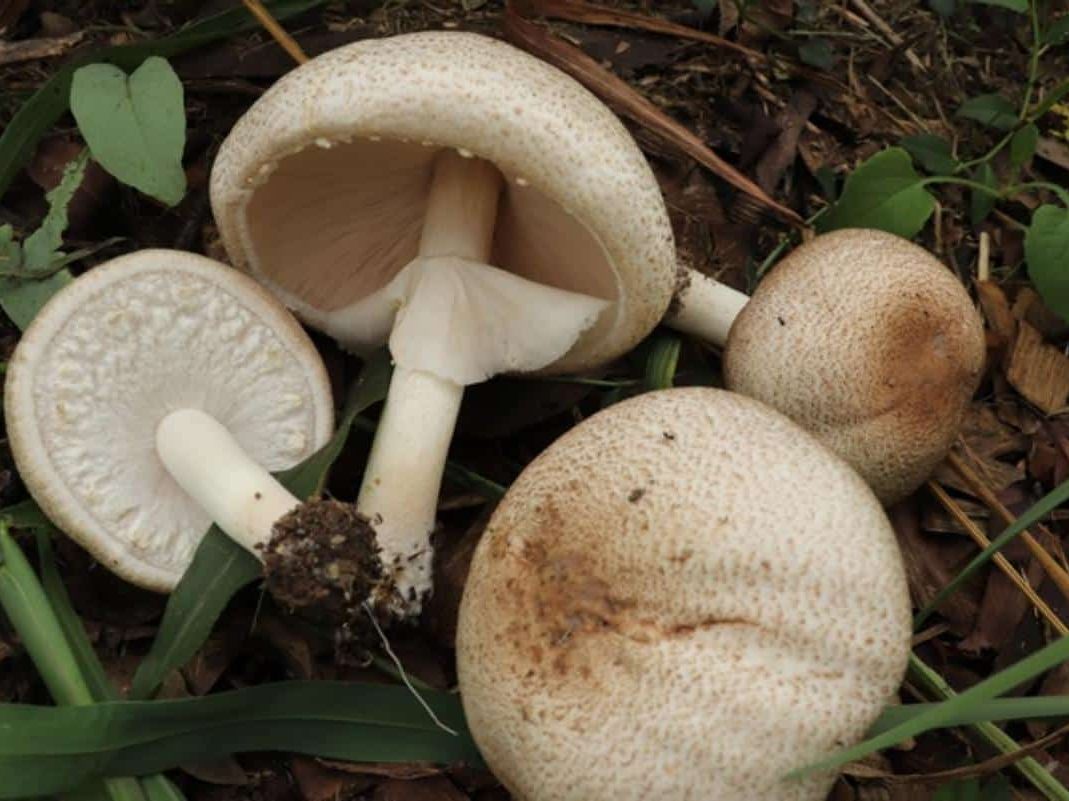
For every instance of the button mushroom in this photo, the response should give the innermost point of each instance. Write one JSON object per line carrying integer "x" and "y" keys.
{"x": 150, "y": 397}
{"x": 686, "y": 596}
{"x": 866, "y": 340}
{"x": 463, "y": 200}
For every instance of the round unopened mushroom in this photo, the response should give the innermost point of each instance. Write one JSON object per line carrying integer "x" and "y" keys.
{"x": 150, "y": 397}
{"x": 470, "y": 204}
{"x": 687, "y": 597}
{"x": 869, "y": 342}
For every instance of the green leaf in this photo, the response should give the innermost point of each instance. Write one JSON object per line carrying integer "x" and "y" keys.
{"x": 1058, "y": 32}
{"x": 10, "y": 251}
{"x": 1046, "y": 249}
{"x": 59, "y": 747}
{"x": 944, "y": 8}
{"x": 135, "y": 126}
{"x": 963, "y": 790}
{"x": 931, "y": 152}
{"x": 885, "y": 192}
{"x": 33, "y": 119}
{"x": 41, "y": 248}
{"x": 1020, "y": 6}
{"x": 994, "y": 111}
{"x": 1050, "y": 100}
{"x": 662, "y": 362}
{"x": 1023, "y": 145}
{"x": 817, "y": 52}
{"x": 998, "y": 789}
{"x": 981, "y": 203}
{"x": 942, "y": 714}
{"x": 21, "y": 298}
{"x": 221, "y": 567}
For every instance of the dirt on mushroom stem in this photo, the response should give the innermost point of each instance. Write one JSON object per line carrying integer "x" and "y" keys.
{"x": 323, "y": 562}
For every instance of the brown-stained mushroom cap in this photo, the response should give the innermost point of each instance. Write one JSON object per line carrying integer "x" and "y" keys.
{"x": 866, "y": 340}
{"x": 686, "y": 596}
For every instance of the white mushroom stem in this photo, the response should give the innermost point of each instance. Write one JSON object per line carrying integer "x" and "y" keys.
{"x": 706, "y": 308}
{"x": 241, "y": 497}
{"x": 399, "y": 493}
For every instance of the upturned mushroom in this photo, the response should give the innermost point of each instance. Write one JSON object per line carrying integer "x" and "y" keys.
{"x": 150, "y": 397}
{"x": 471, "y": 205}
{"x": 870, "y": 343}
{"x": 686, "y": 596}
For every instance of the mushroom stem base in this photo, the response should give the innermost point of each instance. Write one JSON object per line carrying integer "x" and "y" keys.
{"x": 241, "y": 497}
{"x": 404, "y": 473}
{"x": 706, "y": 308}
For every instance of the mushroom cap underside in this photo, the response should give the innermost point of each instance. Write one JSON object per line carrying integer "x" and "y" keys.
{"x": 674, "y": 585}
{"x": 320, "y": 189}
{"x": 116, "y": 351}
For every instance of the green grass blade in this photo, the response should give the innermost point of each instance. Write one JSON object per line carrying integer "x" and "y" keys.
{"x": 1040, "y": 509}
{"x": 109, "y": 726}
{"x": 220, "y": 567}
{"x": 662, "y": 362}
{"x": 28, "y": 609}
{"x": 74, "y": 632}
{"x": 41, "y": 111}
{"x": 50, "y": 774}
{"x": 938, "y": 716}
{"x": 934, "y": 684}
{"x": 58, "y": 748}
{"x": 998, "y": 709}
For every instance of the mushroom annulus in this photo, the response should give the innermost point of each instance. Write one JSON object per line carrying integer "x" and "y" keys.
{"x": 471, "y": 205}
{"x": 686, "y": 596}
{"x": 151, "y": 397}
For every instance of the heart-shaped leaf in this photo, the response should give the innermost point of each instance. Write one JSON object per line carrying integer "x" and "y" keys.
{"x": 135, "y": 125}
{"x": 886, "y": 193}
{"x": 1046, "y": 248}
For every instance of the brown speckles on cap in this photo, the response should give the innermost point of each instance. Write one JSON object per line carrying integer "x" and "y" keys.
{"x": 869, "y": 342}
{"x": 609, "y": 649}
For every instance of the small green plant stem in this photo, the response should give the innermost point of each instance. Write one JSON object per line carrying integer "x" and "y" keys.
{"x": 27, "y": 607}
{"x": 1033, "y": 62}
{"x": 935, "y": 685}
{"x": 1007, "y": 192}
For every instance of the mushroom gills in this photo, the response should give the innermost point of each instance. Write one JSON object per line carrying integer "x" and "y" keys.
{"x": 457, "y": 321}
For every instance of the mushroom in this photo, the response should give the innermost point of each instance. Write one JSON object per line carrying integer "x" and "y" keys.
{"x": 470, "y": 204}
{"x": 869, "y": 342}
{"x": 686, "y": 596}
{"x": 150, "y": 397}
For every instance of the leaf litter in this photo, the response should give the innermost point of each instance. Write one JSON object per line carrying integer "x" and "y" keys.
{"x": 751, "y": 110}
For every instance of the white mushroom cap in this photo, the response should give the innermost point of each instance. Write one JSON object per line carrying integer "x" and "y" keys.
{"x": 320, "y": 189}
{"x": 116, "y": 351}
{"x": 684, "y": 597}
{"x": 869, "y": 342}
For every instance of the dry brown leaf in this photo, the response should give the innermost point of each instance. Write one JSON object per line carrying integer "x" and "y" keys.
{"x": 1001, "y": 610}
{"x": 33, "y": 49}
{"x": 591, "y": 14}
{"x": 618, "y": 94}
{"x": 434, "y": 789}
{"x": 290, "y": 642}
{"x": 996, "y": 309}
{"x": 1040, "y": 372}
{"x": 404, "y": 771}
{"x": 931, "y": 563}
{"x": 321, "y": 782}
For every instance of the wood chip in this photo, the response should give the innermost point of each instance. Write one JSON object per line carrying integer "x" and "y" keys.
{"x": 1040, "y": 372}
{"x": 997, "y": 312}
